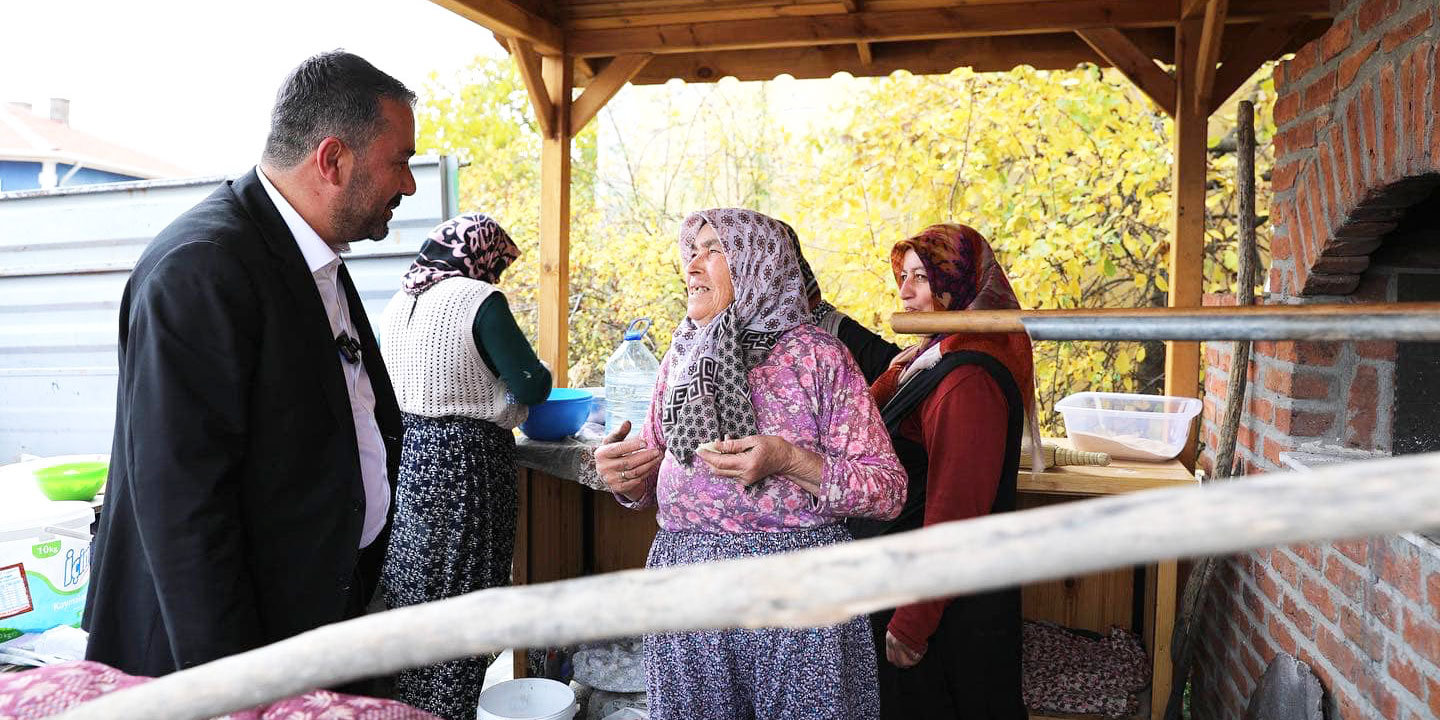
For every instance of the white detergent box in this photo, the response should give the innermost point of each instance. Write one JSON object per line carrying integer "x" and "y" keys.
{"x": 44, "y": 566}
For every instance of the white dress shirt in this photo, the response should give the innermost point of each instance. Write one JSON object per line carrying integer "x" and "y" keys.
{"x": 324, "y": 265}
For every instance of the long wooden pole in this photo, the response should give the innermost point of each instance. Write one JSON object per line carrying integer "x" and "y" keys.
{"x": 1006, "y": 321}
{"x": 1244, "y": 292}
{"x": 815, "y": 587}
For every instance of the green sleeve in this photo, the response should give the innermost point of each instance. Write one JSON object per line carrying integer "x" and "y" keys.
{"x": 507, "y": 353}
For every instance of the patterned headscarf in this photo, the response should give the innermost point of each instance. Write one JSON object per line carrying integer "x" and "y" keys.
{"x": 708, "y": 395}
{"x": 810, "y": 286}
{"x": 471, "y": 245}
{"x": 963, "y": 275}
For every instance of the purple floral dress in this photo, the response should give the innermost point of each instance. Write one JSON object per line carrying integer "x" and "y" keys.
{"x": 810, "y": 392}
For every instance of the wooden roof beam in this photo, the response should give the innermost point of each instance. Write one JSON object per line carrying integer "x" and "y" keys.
{"x": 528, "y": 61}
{"x": 506, "y": 18}
{"x": 1265, "y": 41}
{"x": 1120, "y": 52}
{"x": 603, "y": 87}
{"x": 1209, "y": 50}
{"x": 925, "y": 24}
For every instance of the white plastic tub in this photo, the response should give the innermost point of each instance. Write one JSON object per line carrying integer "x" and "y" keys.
{"x": 528, "y": 699}
{"x": 1128, "y": 426}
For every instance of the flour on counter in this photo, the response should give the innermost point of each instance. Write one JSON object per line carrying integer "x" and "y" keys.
{"x": 1129, "y": 447}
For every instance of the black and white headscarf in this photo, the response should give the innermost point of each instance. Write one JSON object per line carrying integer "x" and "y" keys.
{"x": 708, "y": 395}
{"x": 471, "y": 245}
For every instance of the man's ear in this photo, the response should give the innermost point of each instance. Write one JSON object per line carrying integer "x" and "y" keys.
{"x": 333, "y": 159}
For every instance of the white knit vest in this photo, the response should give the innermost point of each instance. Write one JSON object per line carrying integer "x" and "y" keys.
{"x": 432, "y": 358}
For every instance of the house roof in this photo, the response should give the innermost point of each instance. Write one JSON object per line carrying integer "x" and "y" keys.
{"x": 27, "y": 137}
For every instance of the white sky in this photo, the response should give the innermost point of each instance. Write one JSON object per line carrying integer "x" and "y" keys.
{"x": 192, "y": 81}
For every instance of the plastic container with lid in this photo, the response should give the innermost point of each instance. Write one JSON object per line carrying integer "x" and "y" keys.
{"x": 1128, "y": 426}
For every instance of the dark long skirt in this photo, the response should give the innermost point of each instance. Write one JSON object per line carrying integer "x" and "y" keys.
{"x": 454, "y": 533}
{"x": 970, "y": 671}
{"x": 825, "y": 673}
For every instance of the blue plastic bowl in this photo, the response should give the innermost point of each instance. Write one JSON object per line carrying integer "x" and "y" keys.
{"x": 560, "y": 416}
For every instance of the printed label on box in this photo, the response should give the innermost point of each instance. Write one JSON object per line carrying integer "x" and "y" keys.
{"x": 14, "y": 591}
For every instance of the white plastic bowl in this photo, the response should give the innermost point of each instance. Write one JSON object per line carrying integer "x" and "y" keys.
{"x": 528, "y": 699}
{"x": 1128, "y": 426}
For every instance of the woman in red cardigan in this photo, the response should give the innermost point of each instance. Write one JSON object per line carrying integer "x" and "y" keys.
{"x": 955, "y": 406}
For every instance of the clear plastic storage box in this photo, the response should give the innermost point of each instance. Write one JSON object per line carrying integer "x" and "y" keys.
{"x": 1128, "y": 426}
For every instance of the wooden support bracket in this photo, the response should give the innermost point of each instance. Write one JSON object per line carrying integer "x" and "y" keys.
{"x": 1118, "y": 50}
{"x": 603, "y": 87}
{"x": 1261, "y": 44}
{"x": 529, "y": 63}
{"x": 867, "y": 55}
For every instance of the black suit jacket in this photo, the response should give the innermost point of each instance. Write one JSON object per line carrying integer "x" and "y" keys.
{"x": 235, "y": 502}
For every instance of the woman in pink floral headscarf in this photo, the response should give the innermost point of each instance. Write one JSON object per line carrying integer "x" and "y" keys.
{"x": 464, "y": 375}
{"x": 807, "y": 450}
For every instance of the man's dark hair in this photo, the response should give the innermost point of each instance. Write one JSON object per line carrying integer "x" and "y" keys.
{"x": 333, "y": 94}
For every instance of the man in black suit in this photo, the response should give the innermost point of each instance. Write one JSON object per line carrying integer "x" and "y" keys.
{"x": 256, "y": 431}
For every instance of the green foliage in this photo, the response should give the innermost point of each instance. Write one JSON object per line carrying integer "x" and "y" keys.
{"x": 1067, "y": 173}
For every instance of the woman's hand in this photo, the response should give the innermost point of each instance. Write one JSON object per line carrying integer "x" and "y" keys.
{"x": 899, "y": 654}
{"x": 626, "y": 465}
{"x": 751, "y": 459}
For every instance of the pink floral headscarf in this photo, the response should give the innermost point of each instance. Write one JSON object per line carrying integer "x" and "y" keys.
{"x": 708, "y": 396}
{"x": 471, "y": 245}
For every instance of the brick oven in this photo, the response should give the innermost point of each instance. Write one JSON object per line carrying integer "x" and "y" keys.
{"x": 1356, "y": 213}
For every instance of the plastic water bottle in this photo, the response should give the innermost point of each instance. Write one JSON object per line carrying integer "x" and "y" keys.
{"x": 630, "y": 380}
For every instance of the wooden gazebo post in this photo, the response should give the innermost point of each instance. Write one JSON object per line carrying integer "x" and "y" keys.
{"x": 549, "y": 80}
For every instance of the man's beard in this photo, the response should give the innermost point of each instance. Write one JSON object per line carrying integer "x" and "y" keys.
{"x": 362, "y": 217}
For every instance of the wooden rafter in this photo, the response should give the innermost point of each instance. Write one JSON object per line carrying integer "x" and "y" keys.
{"x": 1209, "y": 50}
{"x": 1264, "y": 42}
{"x": 529, "y": 63}
{"x": 871, "y": 25}
{"x": 511, "y": 20}
{"x": 1119, "y": 51}
{"x": 603, "y": 87}
{"x": 1056, "y": 51}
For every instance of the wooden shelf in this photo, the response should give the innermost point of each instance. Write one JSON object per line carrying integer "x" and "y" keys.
{"x": 1120, "y": 476}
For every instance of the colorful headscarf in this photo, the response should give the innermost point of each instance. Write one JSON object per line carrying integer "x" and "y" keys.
{"x": 963, "y": 275}
{"x": 810, "y": 286}
{"x": 708, "y": 395}
{"x": 471, "y": 245}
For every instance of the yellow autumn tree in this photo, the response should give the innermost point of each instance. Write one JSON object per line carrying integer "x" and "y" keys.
{"x": 1067, "y": 173}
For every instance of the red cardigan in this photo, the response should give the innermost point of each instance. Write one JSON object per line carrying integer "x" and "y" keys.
{"x": 962, "y": 425}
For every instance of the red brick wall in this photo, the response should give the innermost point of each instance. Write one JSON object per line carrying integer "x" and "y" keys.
{"x": 1358, "y": 143}
{"x": 1356, "y": 136}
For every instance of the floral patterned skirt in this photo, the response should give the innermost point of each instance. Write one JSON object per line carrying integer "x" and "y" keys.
{"x": 825, "y": 673}
{"x": 454, "y": 533}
